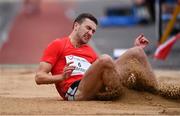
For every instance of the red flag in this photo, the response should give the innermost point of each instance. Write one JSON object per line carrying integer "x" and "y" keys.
{"x": 163, "y": 50}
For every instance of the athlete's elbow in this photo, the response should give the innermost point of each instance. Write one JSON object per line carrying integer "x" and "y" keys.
{"x": 38, "y": 79}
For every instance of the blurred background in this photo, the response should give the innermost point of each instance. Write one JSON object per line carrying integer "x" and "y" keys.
{"x": 27, "y": 26}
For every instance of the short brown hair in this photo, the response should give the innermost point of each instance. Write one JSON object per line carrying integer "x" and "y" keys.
{"x": 83, "y": 16}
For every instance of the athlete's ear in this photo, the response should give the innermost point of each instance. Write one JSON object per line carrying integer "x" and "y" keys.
{"x": 76, "y": 26}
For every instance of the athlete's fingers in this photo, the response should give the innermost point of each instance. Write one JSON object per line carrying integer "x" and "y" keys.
{"x": 69, "y": 63}
{"x": 137, "y": 40}
{"x": 140, "y": 36}
{"x": 69, "y": 68}
{"x": 67, "y": 74}
{"x": 144, "y": 41}
{"x": 141, "y": 41}
{"x": 68, "y": 71}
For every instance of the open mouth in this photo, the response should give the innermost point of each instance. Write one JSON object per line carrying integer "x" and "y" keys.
{"x": 86, "y": 37}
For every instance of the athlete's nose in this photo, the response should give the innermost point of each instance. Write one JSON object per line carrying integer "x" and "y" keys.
{"x": 90, "y": 32}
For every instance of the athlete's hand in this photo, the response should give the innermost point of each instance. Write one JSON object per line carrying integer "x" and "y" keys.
{"x": 68, "y": 70}
{"x": 141, "y": 41}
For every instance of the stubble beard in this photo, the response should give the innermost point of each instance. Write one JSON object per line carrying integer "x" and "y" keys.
{"x": 84, "y": 39}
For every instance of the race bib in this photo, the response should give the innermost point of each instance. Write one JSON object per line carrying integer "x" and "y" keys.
{"x": 81, "y": 64}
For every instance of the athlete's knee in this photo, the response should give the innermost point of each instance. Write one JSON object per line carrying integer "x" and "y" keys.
{"x": 137, "y": 52}
{"x": 105, "y": 59}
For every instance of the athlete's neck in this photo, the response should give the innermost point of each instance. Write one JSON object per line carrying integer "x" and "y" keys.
{"x": 74, "y": 42}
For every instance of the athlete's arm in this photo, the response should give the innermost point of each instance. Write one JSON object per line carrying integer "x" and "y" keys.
{"x": 43, "y": 75}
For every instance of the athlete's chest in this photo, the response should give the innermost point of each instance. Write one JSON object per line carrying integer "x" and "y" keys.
{"x": 80, "y": 52}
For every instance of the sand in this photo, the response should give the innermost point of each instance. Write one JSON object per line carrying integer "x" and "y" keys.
{"x": 19, "y": 95}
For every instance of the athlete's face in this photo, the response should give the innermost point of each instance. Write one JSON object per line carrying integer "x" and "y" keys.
{"x": 85, "y": 30}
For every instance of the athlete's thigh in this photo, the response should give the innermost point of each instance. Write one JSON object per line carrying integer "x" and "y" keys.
{"x": 91, "y": 82}
{"x": 94, "y": 77}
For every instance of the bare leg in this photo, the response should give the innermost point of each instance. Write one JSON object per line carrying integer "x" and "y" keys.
{"x": 136, "y": 71}
{"x": 101, "y": 73}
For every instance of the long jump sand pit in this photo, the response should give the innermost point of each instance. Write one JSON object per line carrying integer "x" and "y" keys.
{"x": 19, "y": 95}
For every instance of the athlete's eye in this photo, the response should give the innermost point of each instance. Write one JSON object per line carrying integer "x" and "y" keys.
{"x": 88, "y": 27}
{"x": 93, "y": 31}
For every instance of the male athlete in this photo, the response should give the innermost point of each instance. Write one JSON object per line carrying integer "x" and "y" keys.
{"x": 79, "y": 74}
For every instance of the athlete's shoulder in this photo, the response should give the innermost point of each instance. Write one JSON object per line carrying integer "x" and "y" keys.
{"x": 60, "y": 40}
